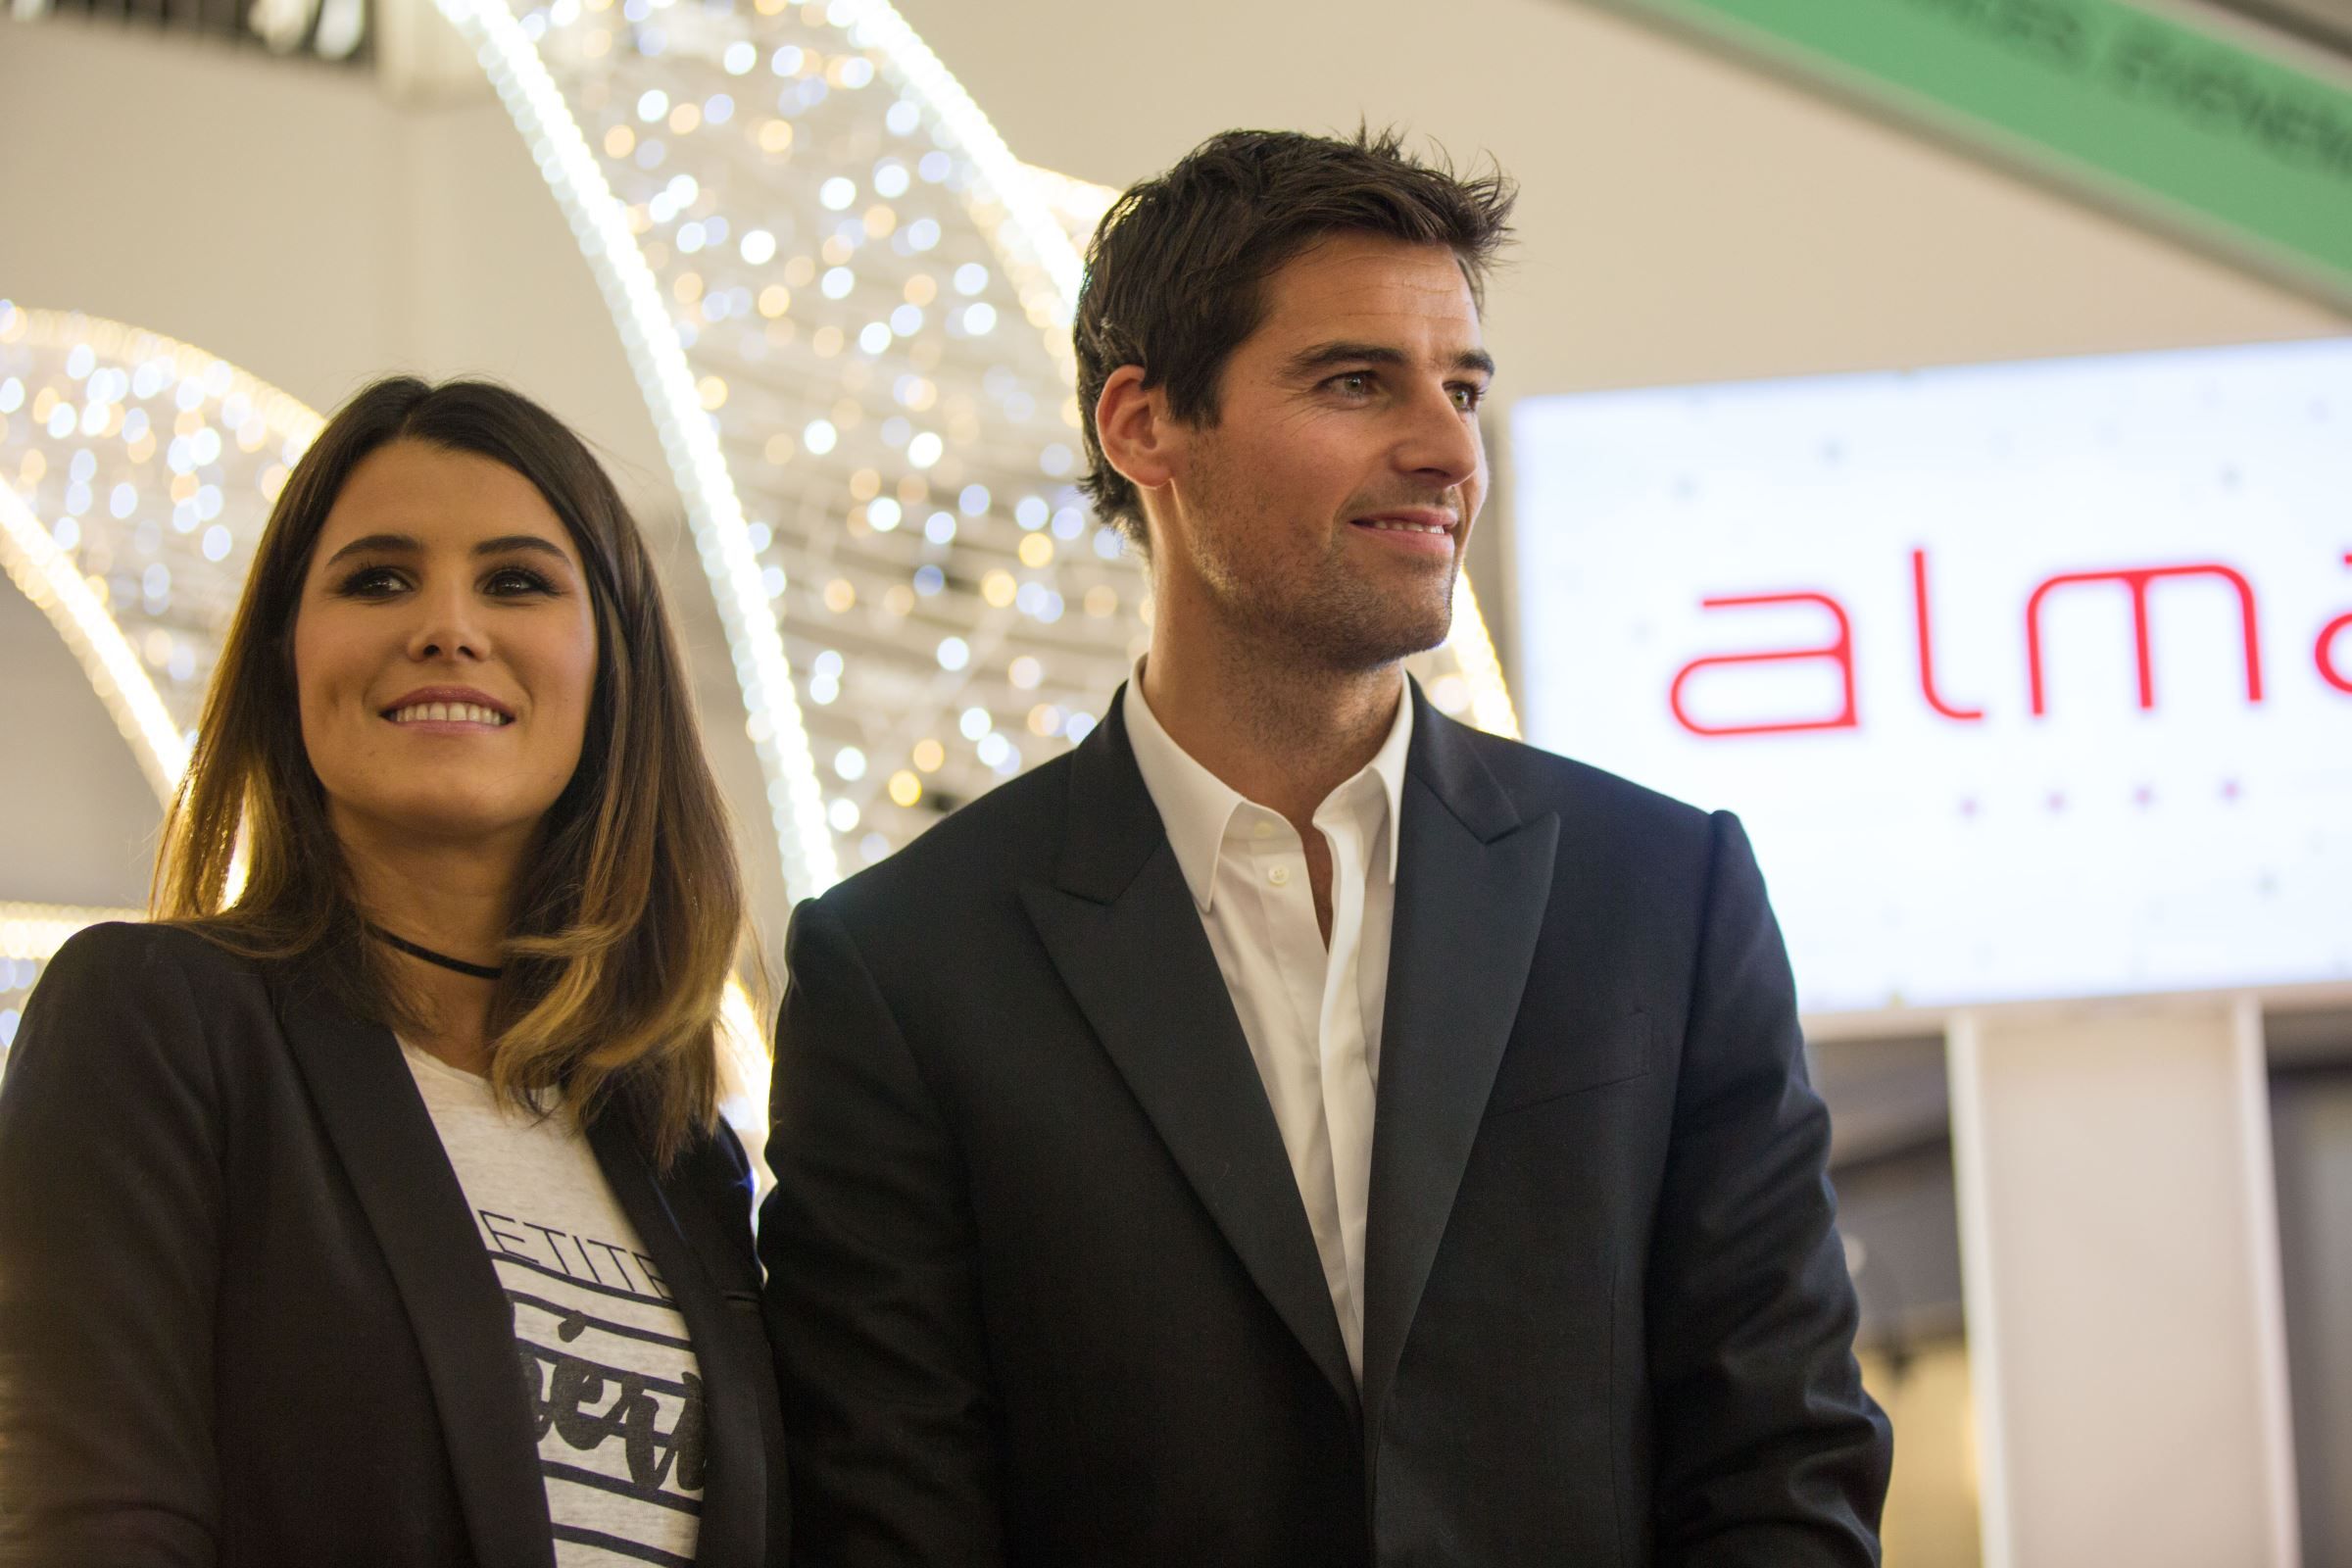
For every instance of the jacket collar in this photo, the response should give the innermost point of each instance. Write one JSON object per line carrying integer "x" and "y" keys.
{"x": 1195, "y": 806}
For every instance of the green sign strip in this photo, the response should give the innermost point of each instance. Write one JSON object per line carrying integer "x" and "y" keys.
{"x": 2245, "y": 150}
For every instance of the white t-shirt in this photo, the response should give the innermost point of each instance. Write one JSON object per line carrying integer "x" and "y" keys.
{"x": 615, "y": 1390}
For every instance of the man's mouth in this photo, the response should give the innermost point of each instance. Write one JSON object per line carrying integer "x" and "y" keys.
{"x": 1422, "y": 521}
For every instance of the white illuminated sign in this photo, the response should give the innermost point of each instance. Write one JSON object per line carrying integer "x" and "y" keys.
{"x": 2028, "y": 680}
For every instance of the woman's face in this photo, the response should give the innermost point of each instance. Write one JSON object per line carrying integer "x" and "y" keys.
{"x": 444, "y": 651}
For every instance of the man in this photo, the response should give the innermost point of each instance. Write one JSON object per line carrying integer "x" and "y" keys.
{"x": 1293, "y": 1128}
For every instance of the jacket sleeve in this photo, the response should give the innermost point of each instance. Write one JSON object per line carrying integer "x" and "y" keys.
{"x": 110, "y": 1226}
{"x": 1768, "y": 1450}
{"x": 872, "y": 1283}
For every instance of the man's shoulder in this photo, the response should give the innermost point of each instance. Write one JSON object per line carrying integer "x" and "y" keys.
{"x": 1538, "y": 781}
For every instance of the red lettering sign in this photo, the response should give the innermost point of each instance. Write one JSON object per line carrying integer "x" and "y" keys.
{"x": 1841, "y": 650}
{"x": 1926, "y": 646}
{"x": 2138, "y": 579}
{"x": 2323, "y": 652}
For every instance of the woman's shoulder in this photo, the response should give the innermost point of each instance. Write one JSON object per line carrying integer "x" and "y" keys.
{"x": 139, "y": 962}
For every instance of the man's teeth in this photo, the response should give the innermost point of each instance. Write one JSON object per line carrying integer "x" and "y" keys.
{"x": 1392, "y": 525}
{"x": 441, "y": 712}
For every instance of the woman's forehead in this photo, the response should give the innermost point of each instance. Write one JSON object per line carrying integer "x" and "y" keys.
{"x": 438, "y": 498}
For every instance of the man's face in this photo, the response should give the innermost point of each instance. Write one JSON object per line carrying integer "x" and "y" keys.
{"x": 1326, "y": 511}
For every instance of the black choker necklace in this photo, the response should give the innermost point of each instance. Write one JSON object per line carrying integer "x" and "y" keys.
{"x": 480, "y": 971}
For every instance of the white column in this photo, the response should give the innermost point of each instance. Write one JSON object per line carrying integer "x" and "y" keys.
{"x": 2118, "y": 1245}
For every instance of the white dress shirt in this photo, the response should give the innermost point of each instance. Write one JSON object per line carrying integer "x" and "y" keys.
{"x": 1311, "y": 1014}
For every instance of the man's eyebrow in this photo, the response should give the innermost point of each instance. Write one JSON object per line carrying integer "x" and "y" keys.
{"x": 1323, "y": 356}
{"x": 408, "y": 544}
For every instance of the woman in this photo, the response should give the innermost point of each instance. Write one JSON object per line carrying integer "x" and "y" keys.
{"x": 294, "y": 1183}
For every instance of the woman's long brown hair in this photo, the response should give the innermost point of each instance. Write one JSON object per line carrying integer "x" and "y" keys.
{"x": 630, "y": 912}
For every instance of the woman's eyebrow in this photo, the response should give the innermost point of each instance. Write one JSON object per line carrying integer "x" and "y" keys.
{"x": 520, "y": 541}
{"x": 376, "y": 544}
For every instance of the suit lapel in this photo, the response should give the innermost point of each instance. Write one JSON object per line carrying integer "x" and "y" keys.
{"x": 465, "y": 1328}
{"x": 1122, "y": 930}
{"x": 1473, "y": 881}
{"x": 733, "y": 1520}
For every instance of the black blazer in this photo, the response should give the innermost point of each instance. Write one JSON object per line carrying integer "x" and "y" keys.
{"x": 1043, "y": 1290}
{"x": 245, "y": 1316}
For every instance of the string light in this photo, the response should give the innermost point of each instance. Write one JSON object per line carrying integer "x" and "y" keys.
{"x": 689, "y": 439}
{"x": 31, "y": 933}
{"x": 848, "y": 307}
{"x": 46, "y": 576}
{"x": 129, "y": 513}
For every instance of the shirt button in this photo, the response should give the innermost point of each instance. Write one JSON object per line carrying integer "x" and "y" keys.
{"x": 1280, "y": 876}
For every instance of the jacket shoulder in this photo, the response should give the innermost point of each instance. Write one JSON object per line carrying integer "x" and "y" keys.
{"x": 134, "y": 959}
{"x": 1538, "y": 780}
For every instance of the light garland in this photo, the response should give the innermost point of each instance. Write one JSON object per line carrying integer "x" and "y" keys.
{"x": 46, "y": 576}
{"x": 808, "y": 234}
{"x": 31, "y": 933}
{"x": 713, "y": 512}
{"x": 136, "y": 473}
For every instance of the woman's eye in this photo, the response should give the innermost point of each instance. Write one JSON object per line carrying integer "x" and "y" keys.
{"x": 510, "y": 582}
{"x": 371, "y": 582}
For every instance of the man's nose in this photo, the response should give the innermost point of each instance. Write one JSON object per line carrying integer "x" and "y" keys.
{"x": 1441, "y": 440}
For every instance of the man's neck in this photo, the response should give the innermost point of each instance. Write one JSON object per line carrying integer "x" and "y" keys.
{"x": 1277, "y": 732}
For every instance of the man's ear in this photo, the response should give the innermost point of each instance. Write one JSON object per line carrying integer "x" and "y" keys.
{"x": 1138, "y": 436}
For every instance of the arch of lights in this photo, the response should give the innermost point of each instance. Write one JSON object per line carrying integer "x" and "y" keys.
{"x": 848, "y": 309}
{"x": 136, "y": 474}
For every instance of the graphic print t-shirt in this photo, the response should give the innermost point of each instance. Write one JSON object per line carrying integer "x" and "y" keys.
{"x": 614, "y": 1388}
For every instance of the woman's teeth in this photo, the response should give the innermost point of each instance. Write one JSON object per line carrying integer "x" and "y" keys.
{"x": 442, "y": 712}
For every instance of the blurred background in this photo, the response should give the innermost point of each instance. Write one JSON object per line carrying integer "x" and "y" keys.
{"x": 1922, "y": 428}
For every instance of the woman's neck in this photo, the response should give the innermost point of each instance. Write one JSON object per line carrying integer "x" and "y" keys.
{"x": 456, "y": 899}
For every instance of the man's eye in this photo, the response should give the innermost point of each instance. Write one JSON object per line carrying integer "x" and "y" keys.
{"x": 1354, "y": 383}
{"x": 1468, "y": 398}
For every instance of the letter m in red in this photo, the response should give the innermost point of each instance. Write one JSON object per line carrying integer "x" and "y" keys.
{"x": 2138, "y": 579}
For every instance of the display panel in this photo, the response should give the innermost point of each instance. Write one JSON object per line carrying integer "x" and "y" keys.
{"x": 2028, "y": 680}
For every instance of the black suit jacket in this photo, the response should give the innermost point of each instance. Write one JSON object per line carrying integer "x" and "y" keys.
{"x": 1043, "y": 1290}
{"x": 245, "y": 1315}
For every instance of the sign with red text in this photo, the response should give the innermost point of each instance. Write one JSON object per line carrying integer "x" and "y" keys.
{"x": 2028, "y": 680}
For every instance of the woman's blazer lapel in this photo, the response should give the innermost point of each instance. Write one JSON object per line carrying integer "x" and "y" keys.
{"x": 735, "y": 1501}
{"x": 379, "y": 1127}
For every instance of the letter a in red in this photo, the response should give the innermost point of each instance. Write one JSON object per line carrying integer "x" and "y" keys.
{"x": 1841, "y": 650}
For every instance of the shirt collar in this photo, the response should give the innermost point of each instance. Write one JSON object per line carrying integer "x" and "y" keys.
{"x": 1196, "y": 806}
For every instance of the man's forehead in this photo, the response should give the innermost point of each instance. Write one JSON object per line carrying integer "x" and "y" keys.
{"x": 1367, "y": 286}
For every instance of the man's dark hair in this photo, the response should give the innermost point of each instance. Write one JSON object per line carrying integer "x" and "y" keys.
{"x": 1175, "y": 275}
